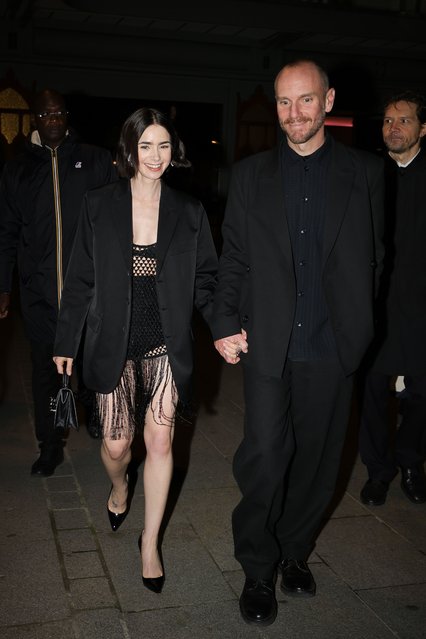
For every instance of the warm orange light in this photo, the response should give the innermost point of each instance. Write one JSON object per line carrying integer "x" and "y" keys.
{"x": 334, "y": 120}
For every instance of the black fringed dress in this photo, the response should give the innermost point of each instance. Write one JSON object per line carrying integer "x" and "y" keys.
{"x": 146, "y": 382}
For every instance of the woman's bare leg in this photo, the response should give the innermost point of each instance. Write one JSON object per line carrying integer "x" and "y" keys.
{"x": 158, "y": 436}
{"x": 116, "y": 455}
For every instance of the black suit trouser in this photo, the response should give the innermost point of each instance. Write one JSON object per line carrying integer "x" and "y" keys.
{"x": 375, "y": 440}
{"x": 45, "y": 385}
{"x": 287, "y": 464}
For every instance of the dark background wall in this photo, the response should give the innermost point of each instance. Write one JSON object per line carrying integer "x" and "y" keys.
{"x": 211, "y": 65}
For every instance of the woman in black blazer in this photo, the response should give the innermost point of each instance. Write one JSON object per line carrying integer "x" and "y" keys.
{"x": 142, "y": 257}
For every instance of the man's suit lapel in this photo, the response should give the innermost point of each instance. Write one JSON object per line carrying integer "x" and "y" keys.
{"x": 168, "y": 219}
{"x": 272, "y": 190}
{"x": 339, "y": 189}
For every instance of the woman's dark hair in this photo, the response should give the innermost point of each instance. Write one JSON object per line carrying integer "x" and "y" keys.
{"x": 133, "y": 128}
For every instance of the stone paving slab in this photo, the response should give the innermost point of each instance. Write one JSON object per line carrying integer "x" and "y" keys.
{"x": 31, "y": 575}
{"x": 72, "y": 519}
{"x": 348, "y": 506}
{"x": 403, "y": 608}
{"x": 223, "y": 431}
{"x": 192, "y": 576}
{"x": 206, "y": 621}
{"x": 56, "y": 630}
{"x": 72, "y": 541}
{"x": 375, "y": 557}
{"x": 104, "y": 623}
{"x": 207, "y": 467}
{"x": 209, "y": 512}
{"x": 92, "y": 593}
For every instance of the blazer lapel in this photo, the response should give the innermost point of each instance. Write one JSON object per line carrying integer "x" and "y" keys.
{"x": 122, "y": 219}
{"x": 167, "y": 221}
{"x": 272, "y": 184}
{"x": 339, "y": 189}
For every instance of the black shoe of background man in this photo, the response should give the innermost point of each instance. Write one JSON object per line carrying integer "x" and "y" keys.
{"x": 258, "y": 605}
{"x": 50, "y": 456}
{"x": 297, "y": 579}
{"x": 374, "y": 492}
{"x": 413, "y": 484}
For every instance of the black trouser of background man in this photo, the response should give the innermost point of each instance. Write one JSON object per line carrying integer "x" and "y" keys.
{"x": 287, "y": 464}
{"x": 45, "y": 386}
{"x": 375, "y": 441}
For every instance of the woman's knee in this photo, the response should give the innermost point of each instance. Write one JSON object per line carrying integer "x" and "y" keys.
{"x": 158, "y": 441}
{"x": 116, "y": 449}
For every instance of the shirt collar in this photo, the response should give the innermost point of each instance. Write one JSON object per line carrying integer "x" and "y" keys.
{"x": 403, "y": 166}
{"x": 291, "y": 156}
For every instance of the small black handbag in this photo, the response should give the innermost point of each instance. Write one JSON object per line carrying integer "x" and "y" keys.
{"x": 65, "y": 412}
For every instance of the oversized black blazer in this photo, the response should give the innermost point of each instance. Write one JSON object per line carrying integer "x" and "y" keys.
{"x": 256, "y": 281}
{"x": 97, "y": 291}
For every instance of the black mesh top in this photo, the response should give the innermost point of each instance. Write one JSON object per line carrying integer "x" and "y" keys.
{"x": 146, "y": 338}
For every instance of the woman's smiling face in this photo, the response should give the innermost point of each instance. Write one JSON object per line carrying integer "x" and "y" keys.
{"x": 154, "y": 152}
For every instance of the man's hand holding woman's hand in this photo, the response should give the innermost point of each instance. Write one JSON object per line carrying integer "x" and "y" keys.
{"x": 231, "y": 347}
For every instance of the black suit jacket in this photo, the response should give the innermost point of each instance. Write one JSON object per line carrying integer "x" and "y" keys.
{"x": 257, "y": 288}
{"x": 98, "y": 284}
{"x": 400, "y": 348}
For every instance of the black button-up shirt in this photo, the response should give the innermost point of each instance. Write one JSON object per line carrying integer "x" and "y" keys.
{"x": 305, "y": 189}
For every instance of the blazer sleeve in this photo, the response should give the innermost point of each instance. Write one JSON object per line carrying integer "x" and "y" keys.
{"x": 233, "y": 263}
{"x": 78, "y": 289}
{"x": 206, "y": 270}
{"x": 375, "y": 173}
{"x": 376, "y": 183}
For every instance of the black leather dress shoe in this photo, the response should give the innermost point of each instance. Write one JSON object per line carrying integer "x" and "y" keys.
{"x": 413, "y": 484}
{"x": 297, "y": 579}
{"x": 374, "y": 492}
{"x": 258, "y": 605}
{"x": 50, "y": 457}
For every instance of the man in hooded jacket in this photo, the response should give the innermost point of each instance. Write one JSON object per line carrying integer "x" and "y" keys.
{"x": 40, "y": 197}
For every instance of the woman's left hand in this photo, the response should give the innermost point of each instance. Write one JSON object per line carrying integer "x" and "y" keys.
{"x": 63, "y": 364}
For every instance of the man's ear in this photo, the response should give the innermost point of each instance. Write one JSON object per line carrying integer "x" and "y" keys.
{"x": 329, "y": 100}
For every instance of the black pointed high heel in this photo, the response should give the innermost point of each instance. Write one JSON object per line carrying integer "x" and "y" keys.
{"x": 155, "y": 584}
{"x": 116, "y": 519}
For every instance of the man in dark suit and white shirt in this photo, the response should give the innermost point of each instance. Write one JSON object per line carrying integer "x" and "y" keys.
{"x": 296, "y": 283}
{"x": 400, "y": 347}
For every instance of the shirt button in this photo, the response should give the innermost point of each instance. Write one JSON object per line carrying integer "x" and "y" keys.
{"x": 299, "y": 324}
{"x": 300, "y": 294}
{"x": 305, "y": 199}
{"x": 303, "y": 231}
{"x": 302, "y": 263}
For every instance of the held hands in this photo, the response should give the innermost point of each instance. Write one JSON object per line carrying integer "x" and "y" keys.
{"x": 230, "y": 347}
{"x": 63, "y": 364}
{"x": 4, "y": 305}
